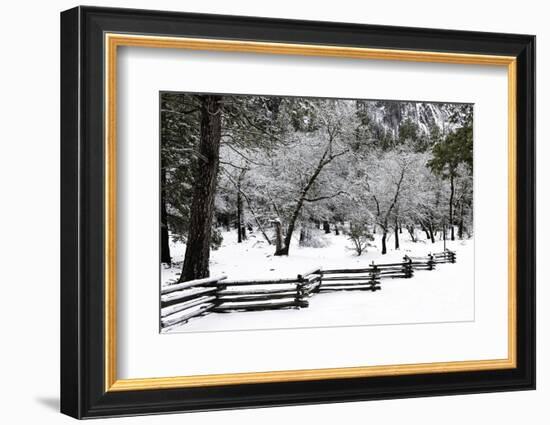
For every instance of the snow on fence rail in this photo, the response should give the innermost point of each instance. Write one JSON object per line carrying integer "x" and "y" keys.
{"x": 183, "y": 301}
{"x": 253, "y": 295}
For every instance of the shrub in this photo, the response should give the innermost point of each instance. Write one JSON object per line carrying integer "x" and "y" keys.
{"x": 216, "y": 239}
{"x": 360, "y": 237}
{"x": 312, "y": 238}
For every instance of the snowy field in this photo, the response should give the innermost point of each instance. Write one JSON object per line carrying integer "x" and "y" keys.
{"x": 443, "y": 295}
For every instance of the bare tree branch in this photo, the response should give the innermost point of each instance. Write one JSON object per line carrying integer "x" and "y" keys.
{"x": 322, "y": 198}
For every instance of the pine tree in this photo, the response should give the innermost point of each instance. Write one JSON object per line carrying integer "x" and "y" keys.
{"x": 454, "y": 150}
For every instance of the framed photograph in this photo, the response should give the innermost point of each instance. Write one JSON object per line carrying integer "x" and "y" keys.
{"x": 261, "y": 212}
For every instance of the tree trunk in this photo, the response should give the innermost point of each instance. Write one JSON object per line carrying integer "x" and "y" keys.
{"x": 239, "y": 214}
{"x": 326, "y": 226}
{"x": 226, "y": 222}
{"x": 425, "y": 229}
{"x": 451, "y": 200}
{"x": 278, "y": 237}
{"x": 410, "y": 228}
{"x": 241, "y": 231}
{"x": 396, "y": 235}
{"x": 431, "y": 229}
{"x": 397, "y": 231}
{"x": 384, "y": 249}
{"x": 197, "y": 253}
{"x": 336, "y": 231}
{"x": 444, "y": 236}
{"x": 461, "y": 222}
{"x": 164, "y": 235}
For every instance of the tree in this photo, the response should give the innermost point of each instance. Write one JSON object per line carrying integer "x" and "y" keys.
{"x": 328, "y": 155}
{"x": 164, "y": 233}
{"x": 180, "y": 133}
{"x": 456, "y": 149}
{"x": 197, "y": 252}
{"x": 236, "y": 187}
{"x": 360, "y": 236}
{"x": 322, "y": 144}
{"x": 463, "y": 203}
{"x": 386, "y": 183}
{"x": 241, "y": 232}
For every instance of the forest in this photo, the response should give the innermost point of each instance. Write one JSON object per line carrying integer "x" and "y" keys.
{"x": 287, "y": 170}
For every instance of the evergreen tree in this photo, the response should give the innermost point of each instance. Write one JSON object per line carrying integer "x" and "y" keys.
{"x": 454, "y": 150}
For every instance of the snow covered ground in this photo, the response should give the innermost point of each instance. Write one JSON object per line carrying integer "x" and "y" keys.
{"x": 443, "y": 295}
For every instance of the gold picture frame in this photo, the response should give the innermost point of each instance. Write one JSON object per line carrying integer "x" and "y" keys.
{"x": 114, "y": 41}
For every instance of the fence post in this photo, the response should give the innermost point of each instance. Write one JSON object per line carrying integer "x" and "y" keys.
{"x": 374, "y": 274}
{"x": 430, "y": 262}
{"x": 299, "y": 291}
{"x": 453, "y": 257}
{"x": 219, "y": 287}
{"x": 407, "y": 267}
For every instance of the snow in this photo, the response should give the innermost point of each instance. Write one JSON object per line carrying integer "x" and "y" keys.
{"x": 443, "y": 295}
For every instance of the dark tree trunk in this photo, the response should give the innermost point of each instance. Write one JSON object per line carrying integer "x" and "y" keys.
{"x": 396, "y": 235}
{"x": 164, "y": 236}
{"x": 425, "y": 230}
{"x": 336, "y": 231}
{"x": 278, "y": 238}
{"x": 388, "y": 213}
{"x": 241, "y": 231}
{"x": 431, "y": 229}
{"x": 326, "y": 226}
{"x": 444, "y": 237}
{"x": 283, "y": 250}
{"x": 410, "y": 228}
{"x": 461, "y": 222}
{"x": 384, "y": 249}
{"x": 197, "y": 254}
{"x": 239, "y": 215}
{"x": 290, "y": 230}
{"x": 223, "y": 220}
{"x": 451, "y": 200}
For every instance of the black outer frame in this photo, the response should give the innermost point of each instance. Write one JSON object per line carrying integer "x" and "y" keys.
{"x": 82, "y": 212}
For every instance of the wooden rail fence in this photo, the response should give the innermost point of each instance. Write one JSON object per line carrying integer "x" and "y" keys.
{"x": 183, "y": 301}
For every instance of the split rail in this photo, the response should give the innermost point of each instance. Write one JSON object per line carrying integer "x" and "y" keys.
{"x": 181, "y": 302}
